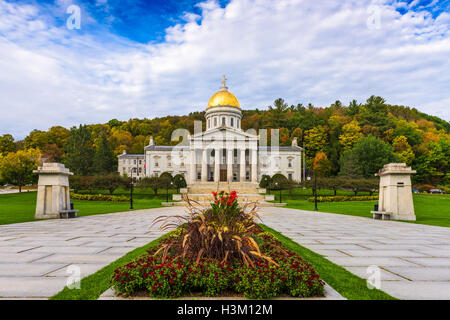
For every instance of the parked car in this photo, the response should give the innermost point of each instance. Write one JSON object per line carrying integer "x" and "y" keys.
{"x": 437, "y": 191}
{"x": 415, "y": 191}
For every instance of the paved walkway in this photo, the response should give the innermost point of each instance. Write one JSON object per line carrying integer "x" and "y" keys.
{"x": 36, "y": 257}
{"x": 414, "y": 259}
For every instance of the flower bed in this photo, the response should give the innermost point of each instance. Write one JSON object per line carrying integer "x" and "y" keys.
{"x": 220, "y": 251}
{"x": 99, "y": 197}
{"x": 343, "y": 198}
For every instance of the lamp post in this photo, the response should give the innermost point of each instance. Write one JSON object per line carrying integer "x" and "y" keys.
{"x": 315, "y": 191}
{"x": 167, "y": 190}
{"x": 131, "y": 190}
{"x": 276, "y": 185}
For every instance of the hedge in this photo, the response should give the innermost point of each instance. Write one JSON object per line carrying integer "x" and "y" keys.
{"x": 343, "y": 198}
{"x": 98, "y": 197}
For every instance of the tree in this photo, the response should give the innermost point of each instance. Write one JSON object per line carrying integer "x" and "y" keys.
{"x": 17, "y": 167}
{"x": 315, "y": 140}
{"x": 152, "y": 182}
{"x": 277, "y": 114}
{"x": 79, "y": 151}
{"x": 375, "y": 113}
{"x": 349, "y": 165}
{"x": 110, "y": 182}
{"x": 104, "y": 159}
{"x": 372, "y": 154}
{"x": 52, "y": 152}
{"x": 7, "y": 144}
{"x": 403, "y": 150}
{"x": 78, "y": 183}
{"x": 179, "y": 182}
{"x": 321, "y": 164}
{"x": 265, "y": 181}
{"x": 351, "y": 133}
{"x": 410, "y": 131}
{"x": 280, "y": 182}
{"x": 434, "y": 166}
{"x": 353, "y": 108}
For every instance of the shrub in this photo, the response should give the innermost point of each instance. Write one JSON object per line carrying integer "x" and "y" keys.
{"x": 343, "y": 198}
{"x": 98, "y": 197}
{"x": 179, "y": 182}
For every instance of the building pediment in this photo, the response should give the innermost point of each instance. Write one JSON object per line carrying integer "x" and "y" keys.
{"x": 224, "y": 133}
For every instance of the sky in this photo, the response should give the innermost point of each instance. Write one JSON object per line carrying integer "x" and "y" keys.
{"x": 66, "y": 62}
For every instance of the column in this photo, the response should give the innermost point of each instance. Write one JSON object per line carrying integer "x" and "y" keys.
{"x": 242, "y": 165}
{"x": 230, "y": 156}
{"x": 204, "y": 165}
{"x": 254, "y": 167}
{"x": 192, "y": 168}
{"x": 217, "y": 165}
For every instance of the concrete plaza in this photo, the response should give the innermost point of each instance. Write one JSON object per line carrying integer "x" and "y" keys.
{"x": 414, "y": 259}
{"x": 36, "y": 257}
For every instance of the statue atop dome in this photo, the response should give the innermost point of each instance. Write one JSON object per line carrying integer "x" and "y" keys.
{"x": 224, "y": 86}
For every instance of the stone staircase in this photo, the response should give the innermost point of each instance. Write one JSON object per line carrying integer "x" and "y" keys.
{"x": 248, "y": 192}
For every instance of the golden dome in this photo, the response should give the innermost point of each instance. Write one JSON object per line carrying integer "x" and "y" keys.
{"x": 223, "y": 98}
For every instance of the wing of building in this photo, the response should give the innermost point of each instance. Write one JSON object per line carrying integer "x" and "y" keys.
{"x": 222, "y": 153}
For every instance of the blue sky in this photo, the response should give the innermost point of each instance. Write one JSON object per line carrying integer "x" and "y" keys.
{"x": 155, "y": 58}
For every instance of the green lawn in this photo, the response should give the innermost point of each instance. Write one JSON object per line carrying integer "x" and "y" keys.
{"x": 429, "y": 209}
{"x": 20, "y": 207}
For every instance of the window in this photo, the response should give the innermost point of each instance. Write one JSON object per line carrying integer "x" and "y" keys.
{"x": 234, "y": 176}
{"x": 247, "y": 175}
{"x": 238, "y": 123}
{"x": 140, "y": 162}
{"x": 232, "y": 122}
{"x": 215, "y": 122}
{"x": 134, "y": 161}
{"x": 277, "y": 162}
{"x": 223, "y": 121}
{"x": 199, "y": 175}
{"x": 209, "y": 123}
{"x": 290, "y": 163}
{"x": 290, "y": 176}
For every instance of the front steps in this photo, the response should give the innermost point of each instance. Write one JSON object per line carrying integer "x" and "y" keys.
{"x": 248, "y": 192}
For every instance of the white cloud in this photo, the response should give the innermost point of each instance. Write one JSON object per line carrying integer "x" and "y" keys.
{"x": 303, "y": 51}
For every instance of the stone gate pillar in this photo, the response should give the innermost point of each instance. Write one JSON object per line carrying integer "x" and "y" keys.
{"x": 395, "y": 194}
{"x": 53, "y": 191}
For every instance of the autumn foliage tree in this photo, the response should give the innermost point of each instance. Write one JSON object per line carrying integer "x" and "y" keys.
{"x": 17, "y": 167}
{"x": 321, "y": 164}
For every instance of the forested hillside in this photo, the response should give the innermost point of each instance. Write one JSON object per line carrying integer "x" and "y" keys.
{"x": 338, "y": 139}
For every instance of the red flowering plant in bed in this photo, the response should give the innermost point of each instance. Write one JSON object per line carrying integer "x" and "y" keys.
{"x": 216, "y": 250}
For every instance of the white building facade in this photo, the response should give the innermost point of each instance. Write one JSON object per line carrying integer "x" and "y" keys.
{"x": 224, "y": 152}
